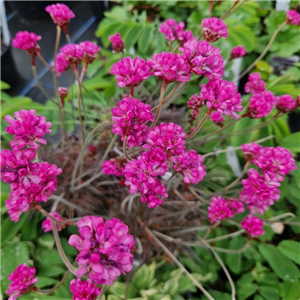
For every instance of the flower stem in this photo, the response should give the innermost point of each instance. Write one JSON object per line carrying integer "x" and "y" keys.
{"x": 55, "y": 287}
{"x": 161, "y": 100}
{"x": 192, "y": 134}
{"x": 125, "y": 148}
{"x": 228, "y": 10}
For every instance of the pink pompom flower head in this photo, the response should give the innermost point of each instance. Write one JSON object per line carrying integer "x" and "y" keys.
{"x": 238, "y": 52}
{"x": 27, "y": 41}
{"x": 60, "y": 14}
{"x": 253, "y": 225}
{"x": 84, "y": 289}
{"x": 214, "y": 29}
{"x": 217, "y": 118}
{"x": 184, "y": 36}
{"x": 74, "y": 53}
{"x": 47, "y": 224}
{"x": 285, "y": 103}
{"x": 171, "y": 29}
{"x": 114, "y": 166}
{"x": 251, "y": 151}
{"x": 219, "y": 209}
{"x": 104, "y": 249}
{"x": 61, "y": 64}
{"x": 23, "y": 281}
{"x": 255, "y": 84}
{"x": 90, "y": 51}
{"x": 293, "y": 17}
{"x": 117, "y": 43}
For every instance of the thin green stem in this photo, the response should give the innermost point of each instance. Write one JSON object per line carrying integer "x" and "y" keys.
{"x": 192, "y": 134}
{"x": 125, "y": 148}
{"x": 55, "y": 287}
{"x": 237, "y": 8}
{"x": 44, "y": 62}
{"x": 228, "y": 10}
{"x": 161, "y": 98}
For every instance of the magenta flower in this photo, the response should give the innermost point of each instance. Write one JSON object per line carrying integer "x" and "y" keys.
{"x": 217, "y": 118}
{"x": 60, "y": 14}
{"x": 236, "y": 206}
{"x": 167, "y": 136}
{"x": 253, "y": 225}
{"x": 84, "y": 290}
{"x": 114, "y": 166}
{"x": 63, "y": 92}
{"x": 90, "y": 51}
{"x": 254, "y": 84}
{"x": 131, "y": 116}
{"x": 190, "y": 165}
{"x": 261, "y": 105}
{"x": 23, "y": 281}
{"x": 195, "y": 102}
{"x": 222, "y": 96}
{"x": 171, "y": 29}
{"x": 293, "y": 17}
{"x": 28, "y": 129}
{"x": 104, "y": 249}
{"x": 219, "y": 209}
{"x": 117, "y": 42}
{"x": 74, "y": 53}
{"x": 61, "y": 65}
{"x": 170, "y": 67}
{"x": 184, "y": 36}
{"x": 237, "y": 52}
{"x": 130, "y": 72}
{"x": 285, "y": 103}
{"x": 205, "y": 60}
{"x": 47, "y": 224}
{"x": 259, "y": 192}
{"x": 27, "y": 41}
{"x": 214, "y": 29}
{"x": 251, "y": 151}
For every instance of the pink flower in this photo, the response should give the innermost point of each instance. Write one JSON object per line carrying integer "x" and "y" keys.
{"x": 184, "y": 36}
{"x": 23, "y": 281}
{"x": 292, "y": 17}
{"x": 275, "y": 162}
{"x": 167, "y": 136}
{"x": 254, "y": 84}
{"x": 117, "y": 42}
{"x": 261, "y": 105}
{"x": 84, "y": 290}
{"x": 63, "y": 92}
{"x": 253, "y": 225}
{"x": 47, "y": 224}
{"x": 190, "y": 165}
{"x": 222, "y": 95}
{"x": 170, "y": 67}
{"x": 28, "y": 129}
{"x": 237, "y": 52}
{"x": 205, "y": 60}
{"x": 236, "y": 206}
{"x": 217, "y": 118}
{"x": 259, "y": 192}
{"x": 130, "y": 72}
{"x": 214, "y": 29}
{"x": 171, "y": 29}
{"x": 285, "y": 103}
{"x": 27, "y": 41}
{"x": 131, "y": 116}
{"x": 219, "y": 209}
{"x": 104, "y": 249}
{"x": 61, "y": 65}
{"x": 195, "y": 102}
{"x": 60, "y": 14}
{"x": 114, "y": 166}
{"x": 74, "y": 53}
{"x": 90, "y": 51}
{"x": 251, "y": 151}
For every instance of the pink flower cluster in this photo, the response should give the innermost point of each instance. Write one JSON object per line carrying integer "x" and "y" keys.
{"x": 217, "y": 118}
{"x": 254, "y": 84}
{"x": 195, "y": 103}
{"x": 84, "y": 290}
{"x": 220, "y": 209}
{"x": 171, "y": 29}
{"x": 23, "y": 281}
{"x": 27, "y": 41}
{"x": 131, "y": 116}
{"x": 222, "y": 96}
{"x": 47, "y": 224}
{"x": 117, "y": 42}
{"x": 214, "y": 29}
{"x": 104, "y": 249}
{"x": 60, "y": 14}
{"x": 253, "y": 225}
{"x": 285, "y": 103}
{"x": 114, "y": 166}
{"x": 237, "y": 52}
{"x": 293, "y": 17}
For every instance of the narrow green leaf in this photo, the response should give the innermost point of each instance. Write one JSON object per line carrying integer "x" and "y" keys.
{"x": 290, "y": 249}
{"x": 146, "y": 39}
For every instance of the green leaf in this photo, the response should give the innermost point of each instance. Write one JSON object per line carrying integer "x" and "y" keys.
{"x": 292, "y": 142}
{"x": 246, "y": 290}
{"x": 274, "y": 20}
{"x": 4, "y": 86}
{"x": 146, "y": 39}
{"x": 290, "y": 249}
{"x": 290, "y": 290}
{"x": 46, "y": 240}
{"x": 268, "y": 292}
{"x": 143, "y": 276}
{"x": 119, "y": 289}
{"x": 234, "y": 260}
{"x": 282, "y": 266}
{"x": 133, "y": 35}
{"x": 51, "y": 271}
{"x": 45, "y": 282}
{"x": 29, "y": 228}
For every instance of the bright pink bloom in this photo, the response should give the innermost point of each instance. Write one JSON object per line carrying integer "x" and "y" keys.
{"x": 219, "y": 209}
{"x": 170, "y": 67}
{"x": 259, "y": 192}
{"x": 236, "y": 206}
{"x": 254, "y": 84}
{"x": 214, "y": 29}
{"x": 253, "y": 225}
{"x": 217, "y": 118}
{"x": 275, "y": 162}
{"x": 114, "y": 166}
{"x": 90, "y": 51}
{"x": 195, "y": 102}
{"x": 171, "y": 29}
{"x": 292, "y": 17}
{"x": 74, "y": 53}
{"x": 104, "y": 249}
{"x": 190, "y": 165}
{"x": 222, "y": 96}
{"x": 167, "y": 136}
{"x": 131, "y": 116}
{"x": 261, "y": 105}
{"x": 23, "y": 281}
{"x": 84, "y": 290}
{"x": 28, "y": 129}
{"x": 117, "y": 42}
{"x": 61, "y": 65}
{"x": 237, "y": 52}
{"x": 47, "y": 224}
{"x": 27, "y": 41}
{"x": 205, "y": 60}
{"x": 251, "y": 151}
{"x": 60, "y": 14}
{"x": 63, "y": 92}
{"x": 184, "y": 36}
{"x": 285, "y": 103}
{"x": 130, "y": 72}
